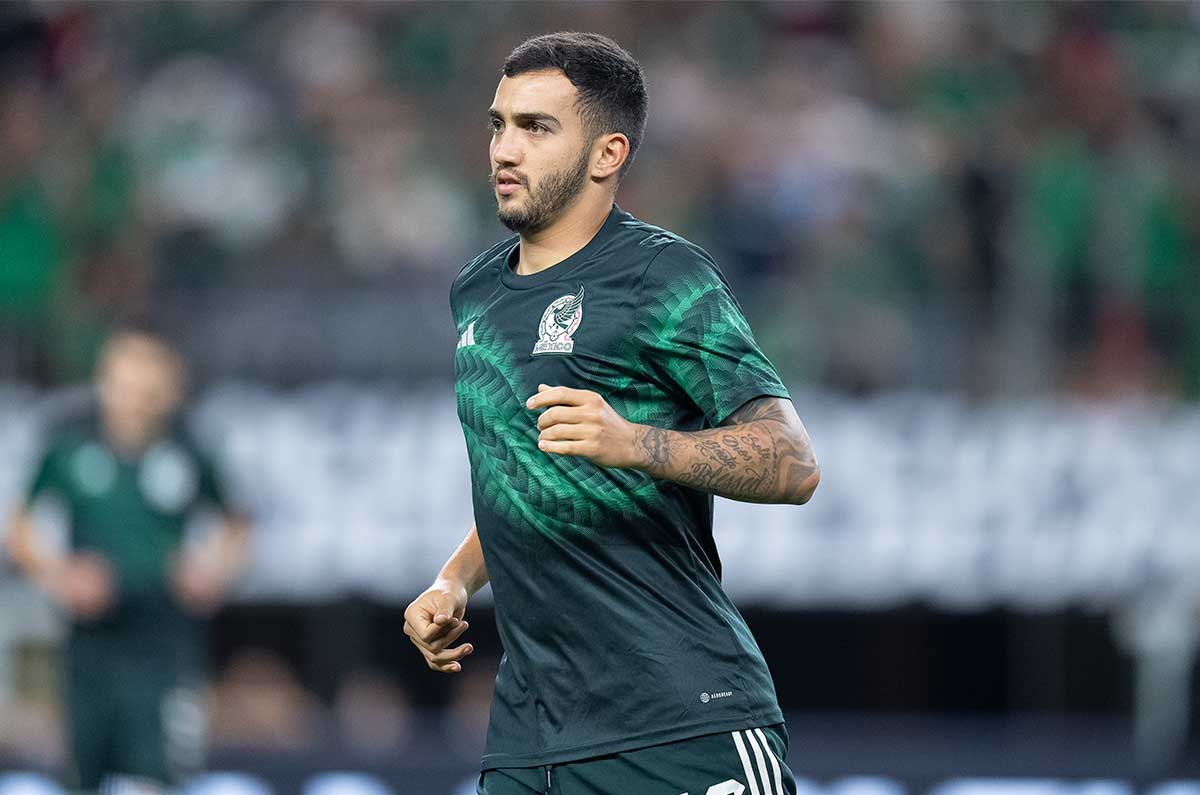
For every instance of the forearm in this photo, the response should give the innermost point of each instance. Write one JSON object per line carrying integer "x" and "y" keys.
{"x": 23, "y": 550}
{"x": 465, "y": 566}
{"x": 763, "y": 456}
{"x": 230, "y": 549}
{"x": 46, "y": 568}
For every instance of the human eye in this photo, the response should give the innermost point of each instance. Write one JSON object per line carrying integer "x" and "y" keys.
{"x": 536, "y": 128}
{"x": 494, "y": 124}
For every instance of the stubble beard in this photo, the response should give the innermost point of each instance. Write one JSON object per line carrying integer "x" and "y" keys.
{"x": 547, "y": 203}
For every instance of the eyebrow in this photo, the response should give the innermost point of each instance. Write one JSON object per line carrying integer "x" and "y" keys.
{"x": 526, "y": 118}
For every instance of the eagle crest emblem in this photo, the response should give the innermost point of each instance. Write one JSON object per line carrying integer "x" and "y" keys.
{"x": 559, "y": 322}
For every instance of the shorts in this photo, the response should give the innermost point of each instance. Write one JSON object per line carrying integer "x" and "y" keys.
{"x": 749, "y": 762}
{"x": 131, "y": 720}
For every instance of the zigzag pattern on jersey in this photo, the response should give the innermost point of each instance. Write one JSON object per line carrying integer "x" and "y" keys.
{"x": 702, "y": 340}
{"x": 557, "y": 495}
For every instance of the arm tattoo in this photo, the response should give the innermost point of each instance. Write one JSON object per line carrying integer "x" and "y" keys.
{"x": 655, "y": 446}
{"x": 761, "y": 453}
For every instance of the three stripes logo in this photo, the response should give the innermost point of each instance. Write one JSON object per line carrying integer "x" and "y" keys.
{"x": 756, "y": 754}
{"x": 468, "y": 337}
{"x": 753, "y": 743}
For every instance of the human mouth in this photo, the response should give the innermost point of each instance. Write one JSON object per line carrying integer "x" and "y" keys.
{"x": 506, "y": 184}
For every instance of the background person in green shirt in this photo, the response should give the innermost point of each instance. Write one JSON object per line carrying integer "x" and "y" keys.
{"x": 130, "y": 478}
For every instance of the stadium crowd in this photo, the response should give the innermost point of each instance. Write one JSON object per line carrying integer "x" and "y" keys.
{"x": 937, "y": 196}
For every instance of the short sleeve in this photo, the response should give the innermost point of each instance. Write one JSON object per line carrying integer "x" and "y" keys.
{"x": 694, "y": 335}
{"x": 45, "y": 477}
{"x": 211, "y": 489}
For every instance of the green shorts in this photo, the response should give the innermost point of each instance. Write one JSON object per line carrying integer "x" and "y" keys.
{"x": 746, "y": 762}
{"x": 135, "y": 720}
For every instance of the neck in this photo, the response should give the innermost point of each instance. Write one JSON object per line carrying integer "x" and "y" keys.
{"x": 577, "y": 226}
{"x": 130, "y": 437}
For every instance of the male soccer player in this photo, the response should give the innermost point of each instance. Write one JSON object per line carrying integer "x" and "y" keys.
{"x": 129, "y": 477}
{"x": 608, "y": 386}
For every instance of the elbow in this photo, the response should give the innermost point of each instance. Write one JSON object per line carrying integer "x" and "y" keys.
{"x": 801, "y": 471}
{"x": 15, "y": 549}
{"x": 805, "y": 489}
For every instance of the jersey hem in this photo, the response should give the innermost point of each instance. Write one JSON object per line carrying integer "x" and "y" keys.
{"x": 502, "y": 760}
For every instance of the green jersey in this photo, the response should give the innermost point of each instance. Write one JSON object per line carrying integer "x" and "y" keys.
{"x": 617, "y": 633}
{"x": 132, "y": 510}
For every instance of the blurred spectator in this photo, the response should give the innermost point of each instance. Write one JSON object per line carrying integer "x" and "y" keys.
{"x": 372, "y": 713}
{"x": 260, "y": 704}
{"x": 31, "y": 243}
{"x": 470, "y": 705}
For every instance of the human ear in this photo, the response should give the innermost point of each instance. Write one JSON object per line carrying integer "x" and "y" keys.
{"x": 609, "y": 155}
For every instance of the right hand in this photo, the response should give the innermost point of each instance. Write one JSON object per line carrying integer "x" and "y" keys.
{"x": 434, "y": 620}
{"x": 82, "y": 584}
{"x": 198, "y": 585}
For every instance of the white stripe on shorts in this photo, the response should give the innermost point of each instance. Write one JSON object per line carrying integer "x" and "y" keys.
{"x": 774, "y": 762}
{"x": 746, "y": 767}
{"x": 762, "y": 765}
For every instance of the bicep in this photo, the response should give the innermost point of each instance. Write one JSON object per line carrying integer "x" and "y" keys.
{"x": 764, "y": 408}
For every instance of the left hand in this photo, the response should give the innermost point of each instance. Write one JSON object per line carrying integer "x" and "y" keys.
{"x": 581, "y": 423}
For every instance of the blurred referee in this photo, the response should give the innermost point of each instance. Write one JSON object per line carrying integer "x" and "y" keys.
{"x": 130, "y": 478}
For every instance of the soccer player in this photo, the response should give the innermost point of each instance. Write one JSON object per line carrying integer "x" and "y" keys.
{"x": 608, "y": 385}
{"x": 130, "y": 477}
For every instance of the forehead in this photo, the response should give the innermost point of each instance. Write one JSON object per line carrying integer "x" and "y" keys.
{"x": 541, "y": 91}
{"x": 137, "y": 350}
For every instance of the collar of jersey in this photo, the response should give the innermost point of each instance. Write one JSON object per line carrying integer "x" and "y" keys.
{"x": 560, "y": 269}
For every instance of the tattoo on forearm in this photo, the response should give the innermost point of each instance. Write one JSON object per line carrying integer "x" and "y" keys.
{"x": 757, "y": 455}
{"x": 654, "y": 443}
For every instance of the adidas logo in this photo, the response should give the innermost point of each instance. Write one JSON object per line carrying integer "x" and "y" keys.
{"x": 468, "y": 336}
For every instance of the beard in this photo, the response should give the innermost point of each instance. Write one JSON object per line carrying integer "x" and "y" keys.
{"x": 546, "y": 203}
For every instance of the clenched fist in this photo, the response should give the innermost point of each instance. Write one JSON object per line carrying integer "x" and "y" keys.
{"x": 580, "y": 422}
{"x": 434, "y": 620}
{"x": 83, "y": 584}
{"x": 199, "y": 585}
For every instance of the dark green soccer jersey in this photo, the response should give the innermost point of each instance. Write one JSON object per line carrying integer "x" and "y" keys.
{"x": 133, "y": 511}
{"x": 617, "y": 633}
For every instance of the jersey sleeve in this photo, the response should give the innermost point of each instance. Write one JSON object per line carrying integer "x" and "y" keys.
{"x": 45, "y": 476}
{"x": 695, "y": 337}
{"x": 211, "y": 488}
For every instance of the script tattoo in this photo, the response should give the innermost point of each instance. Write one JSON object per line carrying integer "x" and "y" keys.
{"x": 759, "y": 454}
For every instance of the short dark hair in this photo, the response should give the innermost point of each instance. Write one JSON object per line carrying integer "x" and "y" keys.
{"x": 146, "y": 327}
{"x": 612, "y": 88}
{"x": 141, "y": 324}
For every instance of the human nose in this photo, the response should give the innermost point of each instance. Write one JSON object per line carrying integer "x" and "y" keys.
{"x": 506, "y": 150}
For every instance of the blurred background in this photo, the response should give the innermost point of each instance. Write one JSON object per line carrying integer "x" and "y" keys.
{"x": 968, "y": 235}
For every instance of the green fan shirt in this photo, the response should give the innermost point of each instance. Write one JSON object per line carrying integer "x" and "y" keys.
{"x": 133, "y": 511}
{"x": 617, "y": 632}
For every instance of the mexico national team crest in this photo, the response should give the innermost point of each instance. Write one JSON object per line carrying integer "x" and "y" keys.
{"x": 559, "y": 322}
